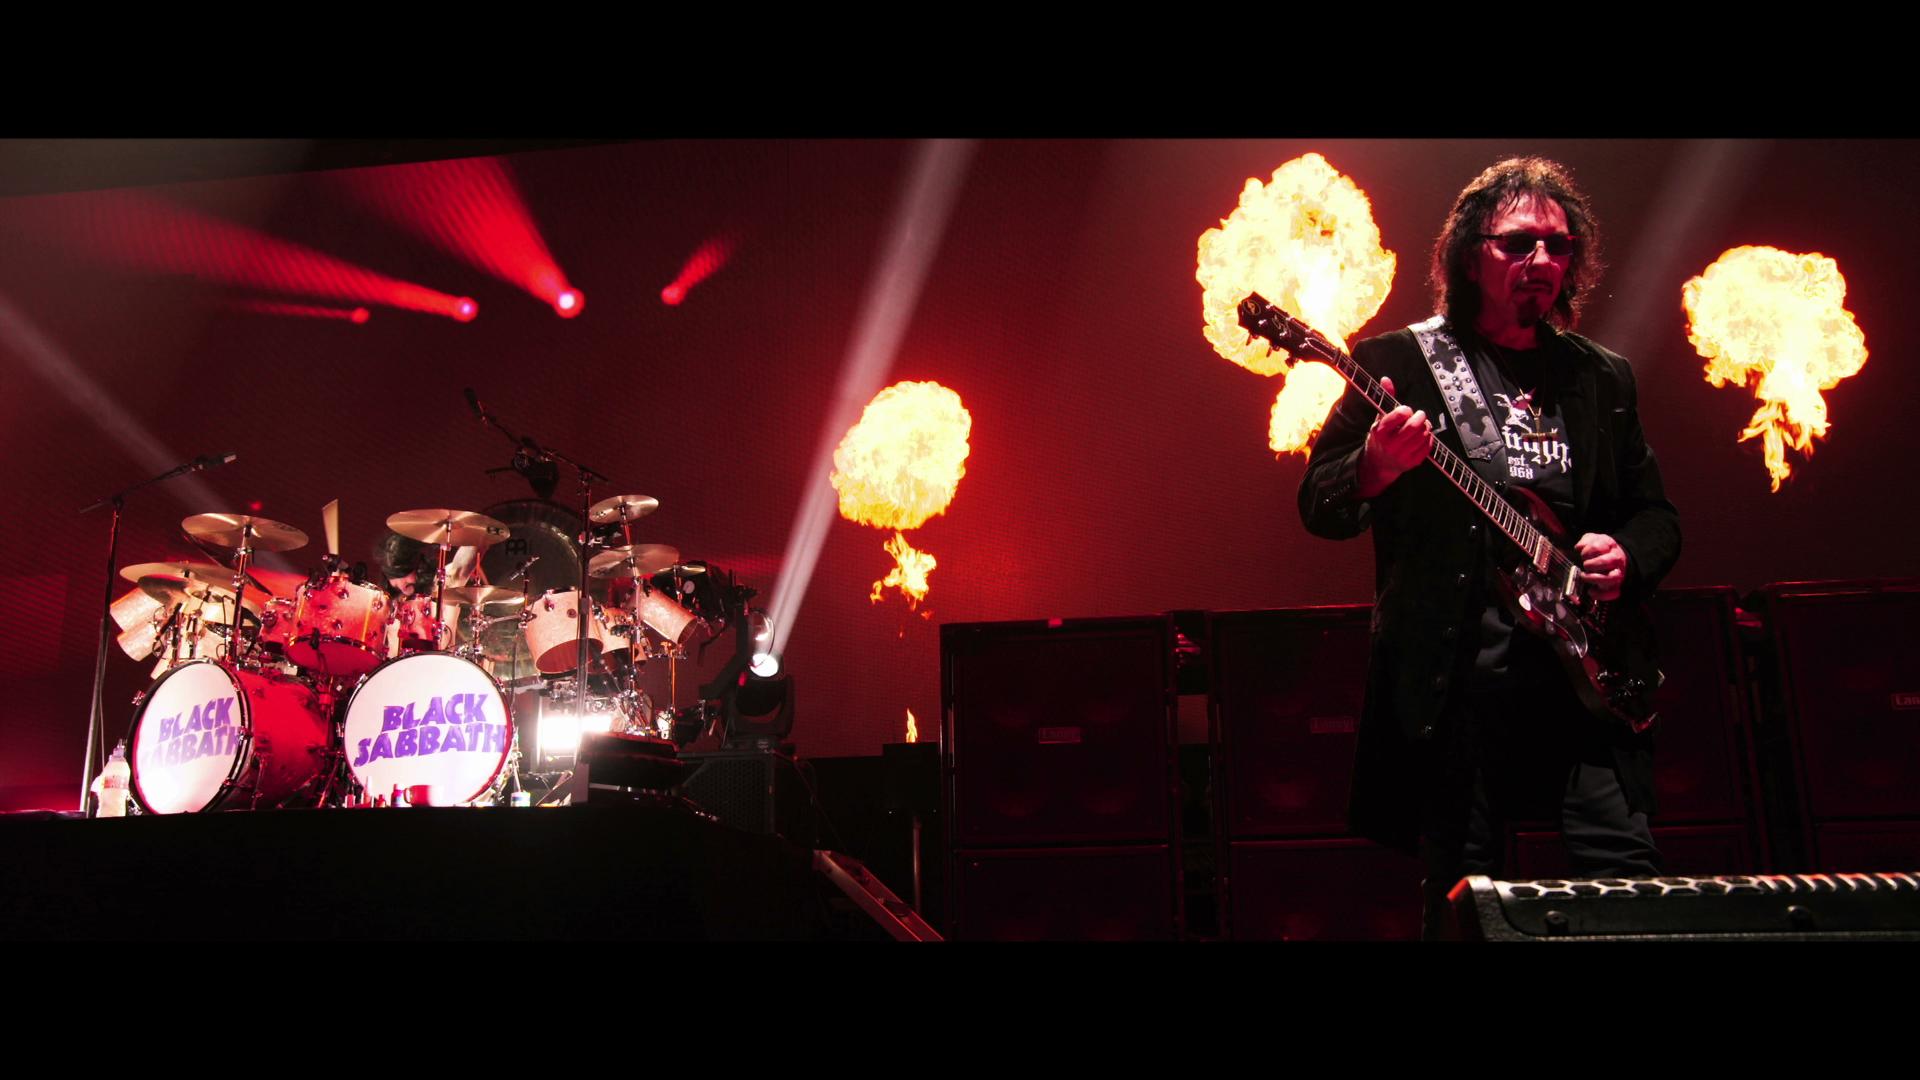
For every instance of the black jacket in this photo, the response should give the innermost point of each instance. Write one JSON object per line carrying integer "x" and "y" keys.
{"x": 1430, "y": 554}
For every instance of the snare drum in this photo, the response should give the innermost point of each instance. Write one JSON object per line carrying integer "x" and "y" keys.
{"x": 339, "y": 627}
{"x": 212, "y": 737}
{"x": 553, "y": 626}
{"x": 430, "y": 719}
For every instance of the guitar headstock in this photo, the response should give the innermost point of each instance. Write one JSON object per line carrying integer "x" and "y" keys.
{"x": 1281, "y": 330}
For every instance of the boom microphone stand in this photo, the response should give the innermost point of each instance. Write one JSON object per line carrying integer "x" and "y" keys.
{"x": 97, "y": 717}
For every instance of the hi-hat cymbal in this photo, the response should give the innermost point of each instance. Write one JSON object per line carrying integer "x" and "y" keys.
{"x": 228, "y": 530}
{"x": 634, "y": 560}
{"x": 457, "y": 528}
{"x": 683, "y": 570}
{"x": 609, "y": 510}
{"x": 484, "y": 594}
{"x": 192, "y": 595}
{"x": 181, "y": 571}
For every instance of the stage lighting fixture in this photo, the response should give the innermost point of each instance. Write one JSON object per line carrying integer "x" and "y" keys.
{"x": 360, "y": 315}
{"x": 569, "y": 303}
{"x": 464, "y": 309}
{"x": 759, "y": 713}
{"x": 763, "y": 663}
{"x": 672, "y": 295}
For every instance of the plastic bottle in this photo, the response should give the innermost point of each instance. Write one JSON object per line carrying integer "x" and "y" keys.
{"x": 112, "y": 783}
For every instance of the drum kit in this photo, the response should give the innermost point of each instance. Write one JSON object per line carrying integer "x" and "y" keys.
{"x": 346, "y": 694}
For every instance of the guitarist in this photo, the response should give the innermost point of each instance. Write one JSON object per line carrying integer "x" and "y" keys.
{"x": 1469, "y": 722}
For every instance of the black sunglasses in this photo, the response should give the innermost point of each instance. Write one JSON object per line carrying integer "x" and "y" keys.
{"x": 1520, "y": 243}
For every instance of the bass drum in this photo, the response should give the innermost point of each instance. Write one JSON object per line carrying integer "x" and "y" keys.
{"x": 534, "y": 527}
{"x": 212, "y": 737}
{"x": 432, "y": 719}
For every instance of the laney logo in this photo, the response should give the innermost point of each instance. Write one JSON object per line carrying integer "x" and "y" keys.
{"x": 1906, "y": 701}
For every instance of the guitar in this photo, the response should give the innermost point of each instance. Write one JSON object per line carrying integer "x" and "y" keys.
{"x": 1606, "y": 647}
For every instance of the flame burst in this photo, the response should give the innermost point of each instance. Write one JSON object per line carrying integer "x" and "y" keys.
{"x": 913, "y": 729}
{"x": 1766, "y": 312}
{"x": 900, "y": 465}
{"x": 1307, "y": 241}
{"x": 909, "y": 573}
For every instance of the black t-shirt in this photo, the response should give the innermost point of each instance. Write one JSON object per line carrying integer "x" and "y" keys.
{"x": 1522, "y": 387}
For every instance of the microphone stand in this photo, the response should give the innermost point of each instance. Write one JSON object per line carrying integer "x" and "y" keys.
{"x": 586, "y": 476}
{"x": 97, "y": 716}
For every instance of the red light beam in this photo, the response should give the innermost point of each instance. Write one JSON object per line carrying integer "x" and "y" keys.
{"x": 701, "y": 265}
{"x": 144, "y": 233}
{"x": 472, "y": 209}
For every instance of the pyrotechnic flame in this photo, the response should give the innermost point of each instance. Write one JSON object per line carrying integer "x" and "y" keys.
{"x": 913, "y": 730}
{"x": 909, "y": 573}
{"x": 1305, "y": 240}
{"x": 902, "y": 462}
{"x": 1760, "y": 311}
{"x": 901, "y": 465}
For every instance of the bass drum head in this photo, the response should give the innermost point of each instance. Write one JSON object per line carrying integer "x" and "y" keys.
{"x": 189, "y": 737}
{"x": 534, "y": 527}
{"x": 430, "y": 718}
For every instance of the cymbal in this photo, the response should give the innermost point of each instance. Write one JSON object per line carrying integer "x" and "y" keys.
{"x": 608, "y": 510}
{"x": 191, "y": 596}
{"x": 210, "y": 573}
{"x": 634, "y": 560}
{"x": 484, "y": 594}
{"x": 456, "y": 528}
{"x": 684, "y": 570}
{"x": 227, "y": 530}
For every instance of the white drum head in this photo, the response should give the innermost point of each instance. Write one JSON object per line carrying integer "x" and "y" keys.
{"x": 188, "y": 735}
{"x": 433, "y": 719}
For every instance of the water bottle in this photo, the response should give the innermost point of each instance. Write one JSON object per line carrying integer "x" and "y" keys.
{"x": 112, "y": 783}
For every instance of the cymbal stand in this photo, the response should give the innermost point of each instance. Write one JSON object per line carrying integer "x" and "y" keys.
{"x": 242, "y": 560}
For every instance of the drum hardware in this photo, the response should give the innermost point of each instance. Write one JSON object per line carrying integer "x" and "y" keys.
{"x": 243, "y": 532}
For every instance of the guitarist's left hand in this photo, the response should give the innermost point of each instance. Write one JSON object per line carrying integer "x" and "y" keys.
{"x": 1605, "y": 568}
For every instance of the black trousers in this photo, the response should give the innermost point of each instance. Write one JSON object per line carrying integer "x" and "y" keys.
{"x": 1519, "y": 755}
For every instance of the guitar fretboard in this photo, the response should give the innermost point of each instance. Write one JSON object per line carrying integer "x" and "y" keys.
{"x": 1302, "y": 338}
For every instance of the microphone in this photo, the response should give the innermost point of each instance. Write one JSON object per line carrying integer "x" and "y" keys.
{"x": 521, "y": 570}
{"x": 473, "y": 402}
{"x": 208, "y": 461}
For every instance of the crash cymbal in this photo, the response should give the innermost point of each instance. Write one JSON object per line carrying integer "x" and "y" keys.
{"x": 608, "y": 510}
{"x": 227, "y": 530}
{"x": 457, "y": 528}
{"x": 634, "y": 560}
{"x": 484, "y": 594}
{"x": 210, "y": 573}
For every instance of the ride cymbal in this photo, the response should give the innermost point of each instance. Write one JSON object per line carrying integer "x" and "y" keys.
{"x": 633, "y": 560}
{"x": 609, "y": 510}
{"x": 455, "y": 528}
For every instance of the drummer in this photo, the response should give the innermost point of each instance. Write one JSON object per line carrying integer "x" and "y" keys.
{"x": 408, "y": 567}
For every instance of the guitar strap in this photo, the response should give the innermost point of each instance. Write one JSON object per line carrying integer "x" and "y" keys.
{"x": 1479, "y": 436}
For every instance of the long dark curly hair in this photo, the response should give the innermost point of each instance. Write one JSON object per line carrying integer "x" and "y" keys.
{"x": 1500, "y": 186}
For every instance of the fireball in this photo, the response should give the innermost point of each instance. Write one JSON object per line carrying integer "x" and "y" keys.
{"x": 1305, "y": 240}
{"x": 1776, "y": 319}
{"x": 899, "y": 466}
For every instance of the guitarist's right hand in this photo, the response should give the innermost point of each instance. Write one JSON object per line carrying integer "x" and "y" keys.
{"x": 1396, "y": 442}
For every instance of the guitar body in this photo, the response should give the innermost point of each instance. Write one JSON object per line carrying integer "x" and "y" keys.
{"x": 1607, "y": 648}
